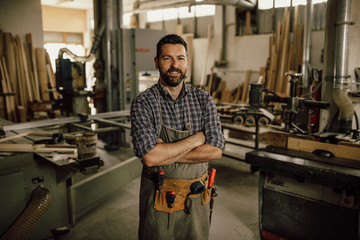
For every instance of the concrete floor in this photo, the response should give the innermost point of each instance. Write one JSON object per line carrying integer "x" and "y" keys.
{"x": 235, "y": 214}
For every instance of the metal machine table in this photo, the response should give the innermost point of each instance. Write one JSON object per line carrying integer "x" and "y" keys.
{"x": 304, "y": 196}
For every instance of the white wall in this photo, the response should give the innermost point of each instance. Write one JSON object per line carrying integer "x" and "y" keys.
{"x": 242, "y": 53}
{"x": 247, "y": 52}
{"x": 200, "y": 48}
{"x": 316, "y": 49}
{"x": 21, "y": 17}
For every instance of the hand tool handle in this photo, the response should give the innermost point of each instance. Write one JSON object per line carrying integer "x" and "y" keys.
{"x": 212, "y": 177}
{"x": 160, "y": 180}
{"x": 170, "y": 198}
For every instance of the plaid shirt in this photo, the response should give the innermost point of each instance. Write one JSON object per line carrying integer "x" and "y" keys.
{"x": 145, "y": 116}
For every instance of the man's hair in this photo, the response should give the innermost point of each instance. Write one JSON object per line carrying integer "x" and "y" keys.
{"x": 169, "y": 39}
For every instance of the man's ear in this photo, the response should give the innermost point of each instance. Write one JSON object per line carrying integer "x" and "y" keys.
{"x": 156, "y": 60}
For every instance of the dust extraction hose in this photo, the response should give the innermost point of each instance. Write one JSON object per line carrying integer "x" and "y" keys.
{"x": 346, "y": 109}
{"x": 30, "y": 217}
{"x": 93, "y": 50}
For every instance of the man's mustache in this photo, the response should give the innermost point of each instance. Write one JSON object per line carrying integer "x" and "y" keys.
{"x": 174, "y": 70}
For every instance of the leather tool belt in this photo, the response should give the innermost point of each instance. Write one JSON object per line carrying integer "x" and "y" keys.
{"x": 182, "y": 192}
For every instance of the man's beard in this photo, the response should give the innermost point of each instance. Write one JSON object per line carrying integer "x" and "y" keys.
{"x": 172, "y": 81}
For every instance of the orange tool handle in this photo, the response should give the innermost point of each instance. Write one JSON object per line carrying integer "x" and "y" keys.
{"x": 212, "y": 177}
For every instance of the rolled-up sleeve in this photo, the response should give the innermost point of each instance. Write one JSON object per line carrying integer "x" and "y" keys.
{"x": 143, "y": 130}
{"x": 212, "y": 124}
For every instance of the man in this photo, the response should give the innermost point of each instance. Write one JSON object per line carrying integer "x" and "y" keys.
{"x": 175, "y": 132}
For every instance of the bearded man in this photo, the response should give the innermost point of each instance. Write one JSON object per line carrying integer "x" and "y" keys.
{"x": 175, "y": 132}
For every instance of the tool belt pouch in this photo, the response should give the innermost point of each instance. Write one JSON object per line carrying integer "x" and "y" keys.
{"x": 182, "y": 190}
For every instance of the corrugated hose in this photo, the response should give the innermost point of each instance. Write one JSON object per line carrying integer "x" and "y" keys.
{"x": 30, "y": 217}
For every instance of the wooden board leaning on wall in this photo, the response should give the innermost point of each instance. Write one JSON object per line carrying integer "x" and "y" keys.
{"x": 25, "y": 76}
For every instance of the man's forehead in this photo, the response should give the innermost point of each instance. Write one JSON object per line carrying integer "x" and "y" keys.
{"x": 179, "y": 48}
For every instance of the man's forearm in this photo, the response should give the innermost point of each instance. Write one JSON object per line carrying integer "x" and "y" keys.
{"x": 167, "y": 153}
{"x": 203, "y": 153}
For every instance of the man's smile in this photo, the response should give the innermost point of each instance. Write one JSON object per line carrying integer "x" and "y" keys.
{"x": 174, "y": 72}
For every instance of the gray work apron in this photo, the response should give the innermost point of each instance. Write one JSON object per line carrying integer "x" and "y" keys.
{"x": 156, "y": 225}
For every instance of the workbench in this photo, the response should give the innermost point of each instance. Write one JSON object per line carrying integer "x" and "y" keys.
{"x": 307, "y": 196}
{"x": 243, "y": 139}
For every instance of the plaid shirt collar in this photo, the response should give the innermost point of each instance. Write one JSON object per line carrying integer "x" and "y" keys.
{"x": 166, "y": 94}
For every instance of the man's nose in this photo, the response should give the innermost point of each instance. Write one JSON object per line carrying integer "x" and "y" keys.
{"x": 174, "y": 63}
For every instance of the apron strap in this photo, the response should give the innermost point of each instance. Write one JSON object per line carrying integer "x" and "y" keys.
{"x": 159, "y": 106}
{"x": 188, "y": 108}
{"x": 187, "y": 101}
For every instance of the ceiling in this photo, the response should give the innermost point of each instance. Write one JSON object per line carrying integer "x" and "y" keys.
{"x": 88, "y": 4}
{"x": 78, "y": 4}
{"x": 144, "y": 5}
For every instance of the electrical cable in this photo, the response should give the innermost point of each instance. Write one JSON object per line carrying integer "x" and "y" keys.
{"x": 356, "y": 120}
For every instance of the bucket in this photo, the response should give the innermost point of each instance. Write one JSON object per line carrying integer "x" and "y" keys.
{"x": 86, "y": 145}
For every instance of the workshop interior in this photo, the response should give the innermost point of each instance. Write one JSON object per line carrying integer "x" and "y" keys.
{"x": 284, "y": 75}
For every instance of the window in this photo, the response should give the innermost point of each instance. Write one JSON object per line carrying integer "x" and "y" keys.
{"x": 54, "y": 41}
{"x": 127, "y": 19}
{"x": 267, "y": 4}
{"x": 205, "y": 10}
{"x": 186, "y": 12}
{"x": 181, "y": 12}
{"x": 282, "y": 3}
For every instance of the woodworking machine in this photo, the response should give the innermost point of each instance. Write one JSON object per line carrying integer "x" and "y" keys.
{"x": 308, "y": 195}
{"x": 48, "y": 179}
{"x": 71, "y": 79}
{"x": 296, "y": 110}
{"x": 309, "y": 182}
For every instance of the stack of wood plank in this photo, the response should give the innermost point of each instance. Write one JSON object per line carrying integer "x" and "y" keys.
{"x": 239, "y": 95}
{"x": 284, "y": 55}
{"x": 26, "y": 76}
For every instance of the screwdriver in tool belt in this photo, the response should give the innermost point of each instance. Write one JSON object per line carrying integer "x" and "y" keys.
{"x": 211, "y": 177}
{"x": 160, "y": 180}
{"x": 170, "y": 199}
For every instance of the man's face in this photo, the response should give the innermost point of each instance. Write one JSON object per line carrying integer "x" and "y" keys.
{"x": 172, "y": 64}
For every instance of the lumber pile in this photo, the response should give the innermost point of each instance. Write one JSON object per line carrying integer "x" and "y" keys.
{"x": 25, "y": 76}
{"x": 239, "y": 95}
{"x": 284, "y": 55}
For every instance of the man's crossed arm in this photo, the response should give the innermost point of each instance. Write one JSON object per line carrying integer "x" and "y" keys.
{"x": 188, "y": 150}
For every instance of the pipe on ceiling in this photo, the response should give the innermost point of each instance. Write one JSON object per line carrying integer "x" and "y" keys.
{"x": 157, "y": 4}
{"x": 244, "y": 4}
